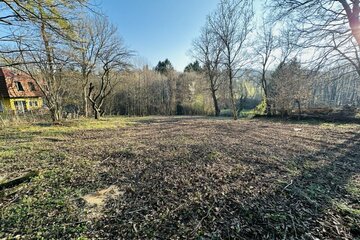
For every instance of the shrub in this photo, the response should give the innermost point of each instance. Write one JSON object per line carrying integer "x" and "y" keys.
{"x": 260, "y": 109}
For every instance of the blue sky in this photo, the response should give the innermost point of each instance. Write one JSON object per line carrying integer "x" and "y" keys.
{"x": 159, "y": 29}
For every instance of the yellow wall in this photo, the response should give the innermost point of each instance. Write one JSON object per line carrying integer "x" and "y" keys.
{"x": 9, "y": 103}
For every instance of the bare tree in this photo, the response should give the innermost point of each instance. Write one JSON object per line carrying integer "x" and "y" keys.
{"x": 37, "y": 32}
{"x": 85, "y": 53}
{"x": 38, "y": 50}
{"x": 207, "y": 49}
{"x": 328, "y": 16}
{"x": 290, "y": 87}
{"x": 113, "y": 58}
{"x": 55, "y": 15}
{"x": 15, "y": 12}
{"x": 284, "y": 84}
{"x": 231, "y": 24}
{"x": 266, "y": 46}
{"x": 329, "y": 30}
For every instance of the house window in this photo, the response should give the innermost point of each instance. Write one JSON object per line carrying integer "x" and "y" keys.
{"x": 32, "y": 86}
{"x": 19, "y": 86}
{"x": 33, "y": 104}
{"x": 20, "y": 106}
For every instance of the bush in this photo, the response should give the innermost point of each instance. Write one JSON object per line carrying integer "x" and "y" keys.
{"x": 226, "y": 113}
{"x": 260, "y": 109}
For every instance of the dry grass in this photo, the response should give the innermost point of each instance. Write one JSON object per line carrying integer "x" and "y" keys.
{"x": 184, "y": 178}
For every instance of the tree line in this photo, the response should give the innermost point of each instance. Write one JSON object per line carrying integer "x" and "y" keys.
{"x": 295, "y": 55}
{"x": 301, "y": 51}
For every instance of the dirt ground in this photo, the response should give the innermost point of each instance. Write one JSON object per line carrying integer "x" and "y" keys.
{"x": 183, "y": 178}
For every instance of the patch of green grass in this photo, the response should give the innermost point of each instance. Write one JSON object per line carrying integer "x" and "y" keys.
{"x": 7, "y": 153}
{"x": 48, "y": 207}
{"x": 214, "y": 155}
{"x": 76, "y": 125}
{"x": 338, "y": 125}
{"x": 348, "y": 210}
{"x": 292, "y": 168}
{"x": 85, "y": 124}
{"x": 277, "y": 217}
{"x": 248, "y": 113}
{"x": 313, "y": 165}
{"x": 316, "y": 190}
{"x": 49, "y": 211}
{"x": 51, "y": 156}
{"x": 313, "y": 193}
{"x": 353, "y": 187}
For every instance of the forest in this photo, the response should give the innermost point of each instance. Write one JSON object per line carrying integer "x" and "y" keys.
{"x": 257, "y": 137}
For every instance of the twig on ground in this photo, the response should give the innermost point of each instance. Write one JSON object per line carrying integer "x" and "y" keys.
{"x": 288, "y": 185}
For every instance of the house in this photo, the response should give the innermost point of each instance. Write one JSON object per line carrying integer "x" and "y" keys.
{"x": 18, "y": 92}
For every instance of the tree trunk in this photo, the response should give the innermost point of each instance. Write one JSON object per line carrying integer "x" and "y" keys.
{"x": 268, "y": 108}
{"x": 299, "y": 109}
{"x": 96, "y": 114}
{"x": 55, "y": 114}
{"x": 216, "y": 104}
{"x": 96, "y": 110}
{"x": 86, "y": 103}
{"x": 266, "y": 94}
{"x": 233, "y": 104}
{"x": 353, "y": 18}
{"x": 55, "y": 109}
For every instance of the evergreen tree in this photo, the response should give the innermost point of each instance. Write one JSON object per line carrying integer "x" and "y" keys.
{"x": 164, "y": 67}
{"x": 193, "y": 67}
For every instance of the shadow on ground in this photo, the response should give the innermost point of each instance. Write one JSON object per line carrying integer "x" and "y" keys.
{"x": 235, "y": 185}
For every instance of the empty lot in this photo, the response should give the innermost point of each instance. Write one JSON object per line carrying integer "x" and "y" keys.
{"x": 182, "y": 178}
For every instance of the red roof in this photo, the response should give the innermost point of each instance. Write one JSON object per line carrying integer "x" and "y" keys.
{"x": 10, "y": 81}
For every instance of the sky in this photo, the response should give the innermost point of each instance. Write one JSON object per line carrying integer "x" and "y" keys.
{"x": 159, "y": 29}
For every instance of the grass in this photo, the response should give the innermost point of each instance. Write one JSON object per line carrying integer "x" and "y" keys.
{"x": 349, "y": 210}
{"x": 337, "y": 125}
{"x": 353, "y": 187}
{"x": 49, "y": 198}
{"x": 49, "y": 129}
{"x": 248, "y": 113}
{"x": 182, "y": 177}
